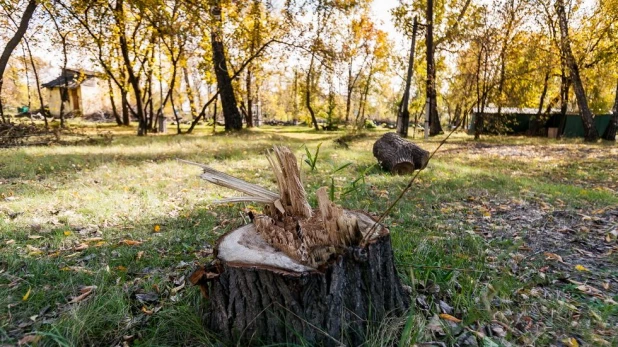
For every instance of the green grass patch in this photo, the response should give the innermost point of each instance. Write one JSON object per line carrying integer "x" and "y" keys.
{"x": 55, "y": 199}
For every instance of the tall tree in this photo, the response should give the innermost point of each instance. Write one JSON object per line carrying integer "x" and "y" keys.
{"x": 432, "y": 102}
{"x": 13, "y": 42}
{"x": 590, "y": 130}
{"x": 610, "y": 132}
{"x": 403, "y": 115}
{"x": 231, "y": 115}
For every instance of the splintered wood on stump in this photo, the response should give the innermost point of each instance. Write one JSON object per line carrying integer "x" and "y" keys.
{"x": 398, "y": 155}
{"x": 298, "y": 274}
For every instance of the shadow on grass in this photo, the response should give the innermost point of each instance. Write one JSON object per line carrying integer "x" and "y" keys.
{"x": 112, "y": 312}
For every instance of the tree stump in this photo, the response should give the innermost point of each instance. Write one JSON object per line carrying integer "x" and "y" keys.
{"x": 398, "y": 155}
{"x": 296, "y": 274}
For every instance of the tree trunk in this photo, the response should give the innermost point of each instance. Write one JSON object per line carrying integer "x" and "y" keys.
{"x": 231, "y": 115}
{"x": 434, "y": 119}
{"x": 65, "y": 60}
{"x": 610, "y": 132}
{"x": 478, "y": 121}
{"x": 38, "y": 84}
{"x": 249, "y": 99}
{"x": 535, "y": 121}
{"x": 298, "y": 275}
{"x": 403, "y": 118}
{"x": 13, "y": 42}
{"x": 398, "y": 155}
{"x": 350, "y": 90}
{"x": 190, "y": 96}
{"x": 113, "y": 102}
{"x": 590, "y": 130}
{"x": 126, "y": 116}
{"x": 309, "y": 86}
{"x": 133, "y": 80}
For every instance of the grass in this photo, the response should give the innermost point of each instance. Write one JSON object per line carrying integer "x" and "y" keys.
{"x": 56, "y": 198}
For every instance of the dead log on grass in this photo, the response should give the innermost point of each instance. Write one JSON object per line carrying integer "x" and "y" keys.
{"x": 398, "y": 155}
{"x": 298, "y": 274}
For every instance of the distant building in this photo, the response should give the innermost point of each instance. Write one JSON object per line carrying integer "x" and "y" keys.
{"x": 82, "y": 92}
{"x": 513, "y": 120}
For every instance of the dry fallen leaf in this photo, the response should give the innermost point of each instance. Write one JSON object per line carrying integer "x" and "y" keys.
{"x": 140, "y": 254}
{"x": 450, "y": 318}
{"x": 80, "y": 247}
{"x": 33, "y": 250}
{"x": 553, "y": 256}
{"x": 85, "y": 292}
{"x": 28, "y": 339}
{"x": 10, "y": 242}
{"x": 93, "y": 239}
{"x": 131, "y": 242}
{"x": 177, "y": 289}
{"x": 35, "y": 237}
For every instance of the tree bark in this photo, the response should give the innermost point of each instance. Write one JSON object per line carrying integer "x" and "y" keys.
{"x": 38, "y": 84}
{"x": 403, "y": 117}
{"x": 308, "y": 87}
{"x": 610, "y": 132}
{"x": 190, "y": 96}
{"x": 113, "y": 102}
{"x": 133, "y": 80}
{"x": 13, "y": 42}
{"x": 231, "y": 115}
{"x": 535, "y": 121}
{"x": 297, "y": 274}
{"x": 590, "y": 130}
{"x": 434, "y": 119}
{"x": 398, "y": 155}
{"x": 266, "y": 305}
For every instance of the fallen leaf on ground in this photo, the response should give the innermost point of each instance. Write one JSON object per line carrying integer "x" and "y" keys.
{"x": 85, "y": 292}
{"x": 93, "y": 239}
{"x": 28, "y": 339}
{"x": 177, "y": 289}
{"x": 156, "y": 228}
{"x": 140, "y": 254}
{"x": 567, "y": 305}
{"x": 448, "y": 317}
{"x": 131, "y": 242}
{"x": 33, "y": 250}
{"x": 80, "y": 247}
{"x": 601, "y": 342}
{"x": 27, "y": 295}
{"x": 67, "y": 233}
{"x": 570, "y": 342}
{"x": 35, "y": 237}
{"x": 10, "y": 242}
{"x": 581, "y": 268}
{"x": 553, "y": 256}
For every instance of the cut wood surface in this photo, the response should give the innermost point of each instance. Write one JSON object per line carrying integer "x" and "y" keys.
{"x": 398, "y": 155}
{"x": 298, "y": 274}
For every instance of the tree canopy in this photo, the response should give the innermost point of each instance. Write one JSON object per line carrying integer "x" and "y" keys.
{"x": 322, "y": 60}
